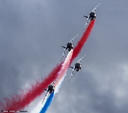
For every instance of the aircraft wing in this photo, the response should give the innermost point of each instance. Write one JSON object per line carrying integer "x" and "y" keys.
{"x": 73, "y": 39}
{"x": 63, "y": 54}
{"x": 72, "y": 75}
{"x": 53, "y": 82}
{"x": 86, "y": 23}
{"x": 94, "y": 10}
{"x": 81, "y": 59}
{"x": 45, "y": 97}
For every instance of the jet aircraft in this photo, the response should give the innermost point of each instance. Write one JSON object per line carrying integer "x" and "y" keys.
{"x": 69, "y": 47}
{"x": 92, "y": 15}
{"x": 77, "y": 67}
{"x": 49, "y": 90}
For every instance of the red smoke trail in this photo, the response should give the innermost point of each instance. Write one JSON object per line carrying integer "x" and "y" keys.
{"x": 60, "y": 75}
{"x": 18, "y": 102}
{"x": 64, "y": 68}
{"x": 83, "y": 39}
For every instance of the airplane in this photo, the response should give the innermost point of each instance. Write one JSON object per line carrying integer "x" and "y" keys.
{"x": 92, "y": 15}
{"x": 69, "y": 46}
{"x": 77, "y": 67}
{"x": 49, "y": 90}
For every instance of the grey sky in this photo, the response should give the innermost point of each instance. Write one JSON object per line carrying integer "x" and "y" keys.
{"x": 31, "y": 33}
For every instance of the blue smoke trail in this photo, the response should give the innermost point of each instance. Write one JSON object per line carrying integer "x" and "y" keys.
{"x": 47, "y": 104}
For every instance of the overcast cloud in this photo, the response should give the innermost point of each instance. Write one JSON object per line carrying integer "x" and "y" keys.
{"x": 31, "y": 35}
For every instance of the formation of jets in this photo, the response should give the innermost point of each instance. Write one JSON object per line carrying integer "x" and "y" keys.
{"x": 69, "y": 46}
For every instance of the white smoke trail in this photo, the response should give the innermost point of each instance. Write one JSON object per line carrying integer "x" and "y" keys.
{"x": 39, "y": 105}
{"x": 59, "y": 85}
{"x": 59, "y": 81}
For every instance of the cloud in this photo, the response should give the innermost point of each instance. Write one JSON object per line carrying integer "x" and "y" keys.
{"x": 28, "y": 30}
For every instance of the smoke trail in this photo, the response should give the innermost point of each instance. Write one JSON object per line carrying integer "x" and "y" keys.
{"x": 19, "y": 101}
{"x": 47, "y": 104}
{"x": 58, "y": 86}
{"x": 65, "y": 66}
{"x": 83, "y": 39}
{"x": 61, "y": 75}
{"x": 63, "y": 70}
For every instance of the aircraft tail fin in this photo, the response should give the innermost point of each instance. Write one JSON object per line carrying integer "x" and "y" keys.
{"x": 45, "y": 89}
{"x": 85, "y": 16}
{"x": 63, "y": 46}
{"x": 71, "y": 67}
